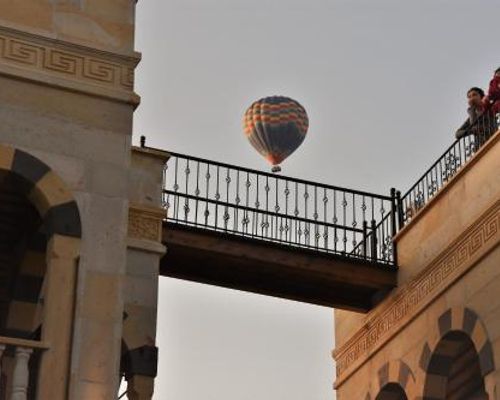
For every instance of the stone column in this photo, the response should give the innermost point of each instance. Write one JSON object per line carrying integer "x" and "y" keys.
{"x": 59, "y": 302}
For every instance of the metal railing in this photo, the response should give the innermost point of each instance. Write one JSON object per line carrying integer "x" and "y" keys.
{"x": 279, "y": 209}
{"x": 305, "y": 214}
{"x": 435, "y": 178}
{"x": 448, "y": 165}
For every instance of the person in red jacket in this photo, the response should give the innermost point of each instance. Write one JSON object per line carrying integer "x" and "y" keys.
{"x": 493, "y": 97}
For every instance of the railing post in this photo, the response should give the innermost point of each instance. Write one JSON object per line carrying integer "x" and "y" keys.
{"x": 365, "y": 238}
{"x": 394, "y": 215}
{"x": 20, "y": 377}
{"x": 374, "y": 240}
{"x": 399, "y": 207}
{"x": 393, "y": 223}
{"x": 393, "y": 212}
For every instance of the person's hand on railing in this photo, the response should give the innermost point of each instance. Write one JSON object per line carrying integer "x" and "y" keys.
{"x": 464, "y": 130}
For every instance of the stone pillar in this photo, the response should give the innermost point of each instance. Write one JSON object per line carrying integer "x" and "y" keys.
{"x": 139, "y": 362}
{"x": 59, "y": 303}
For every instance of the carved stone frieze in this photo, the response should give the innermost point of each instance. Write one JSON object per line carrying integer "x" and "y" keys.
{"x": 63, "y": 64}
{"x": 145, "y": 223}
{"x": 389, "y": 318}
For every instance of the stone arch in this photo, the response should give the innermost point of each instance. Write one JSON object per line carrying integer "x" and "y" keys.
{"x": 31, "y": 186}
{"x": 456, "y": 326}
{"x": 45, "y": 190}
{"x": 393, "y": 374}
{"x": 36, "y": 183}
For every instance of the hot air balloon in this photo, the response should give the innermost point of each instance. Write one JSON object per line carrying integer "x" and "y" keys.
{"x": 275, "y": 127}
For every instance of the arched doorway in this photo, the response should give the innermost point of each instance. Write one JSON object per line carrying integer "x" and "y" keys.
{"x": 454, "y": 371}
{"x": 392, "y": 391}
{"x": 23, "y": 245}
{"x": 22, "y": 259}
{"x": 40, "y": 233}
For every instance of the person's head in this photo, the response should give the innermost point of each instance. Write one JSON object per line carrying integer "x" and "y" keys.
{"x": 475, "y": 97}
{"x": 497, "y": 73}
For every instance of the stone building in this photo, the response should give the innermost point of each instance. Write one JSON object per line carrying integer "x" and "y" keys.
{"x": 437, "y": 335}
{"x": 81, "y": 238}
{"x": 78, "y": 283}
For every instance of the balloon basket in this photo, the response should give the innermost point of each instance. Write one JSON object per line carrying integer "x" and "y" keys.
{"x": 276, "y": 169}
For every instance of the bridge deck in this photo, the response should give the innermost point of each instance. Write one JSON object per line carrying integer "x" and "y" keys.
{"x": 273, "y": 269}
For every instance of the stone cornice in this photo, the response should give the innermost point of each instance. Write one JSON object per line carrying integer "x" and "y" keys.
{"x": 407, "y": 302}
{"x": 146, "y": 246}
{"x": 154, "y": 153}
{"x": 69, "y": 66}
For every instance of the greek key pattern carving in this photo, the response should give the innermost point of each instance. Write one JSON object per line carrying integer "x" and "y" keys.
{"x": 75, "y": 63}
{"x": 435, "y": 278}
{"x": 145, "y": 224}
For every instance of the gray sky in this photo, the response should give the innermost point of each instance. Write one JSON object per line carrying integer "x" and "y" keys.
{"x": 384, "y": 85}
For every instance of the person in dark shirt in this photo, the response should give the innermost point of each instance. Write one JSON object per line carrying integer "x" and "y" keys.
{"x": 479, "y": 116}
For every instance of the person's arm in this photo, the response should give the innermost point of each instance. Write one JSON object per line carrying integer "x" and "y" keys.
{"x": 464, "y": 130}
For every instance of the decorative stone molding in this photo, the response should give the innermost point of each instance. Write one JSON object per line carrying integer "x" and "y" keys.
{"x": 145, "y": 222}
{"x": 67, "y": 65}
{"x": 408, "y": 301}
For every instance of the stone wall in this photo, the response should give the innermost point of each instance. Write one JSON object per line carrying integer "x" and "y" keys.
{"x": 100, "y": 24}
{"x": 449, "y": 258}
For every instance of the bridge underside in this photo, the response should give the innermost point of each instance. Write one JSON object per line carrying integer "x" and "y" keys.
{"x": 271, "y": 269}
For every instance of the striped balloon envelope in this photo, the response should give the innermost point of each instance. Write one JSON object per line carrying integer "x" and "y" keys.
{"x": 275, "y": 126}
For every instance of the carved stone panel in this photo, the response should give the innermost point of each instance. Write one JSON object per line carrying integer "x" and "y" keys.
{"x": 145, "y": 223}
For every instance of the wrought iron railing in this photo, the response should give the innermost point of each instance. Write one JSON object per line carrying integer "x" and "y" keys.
{"x": 448, "y": 165}
{"x": 280, "y": 209}
{"x": 305, "y": 214}
{"x": 435, "y": 178}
